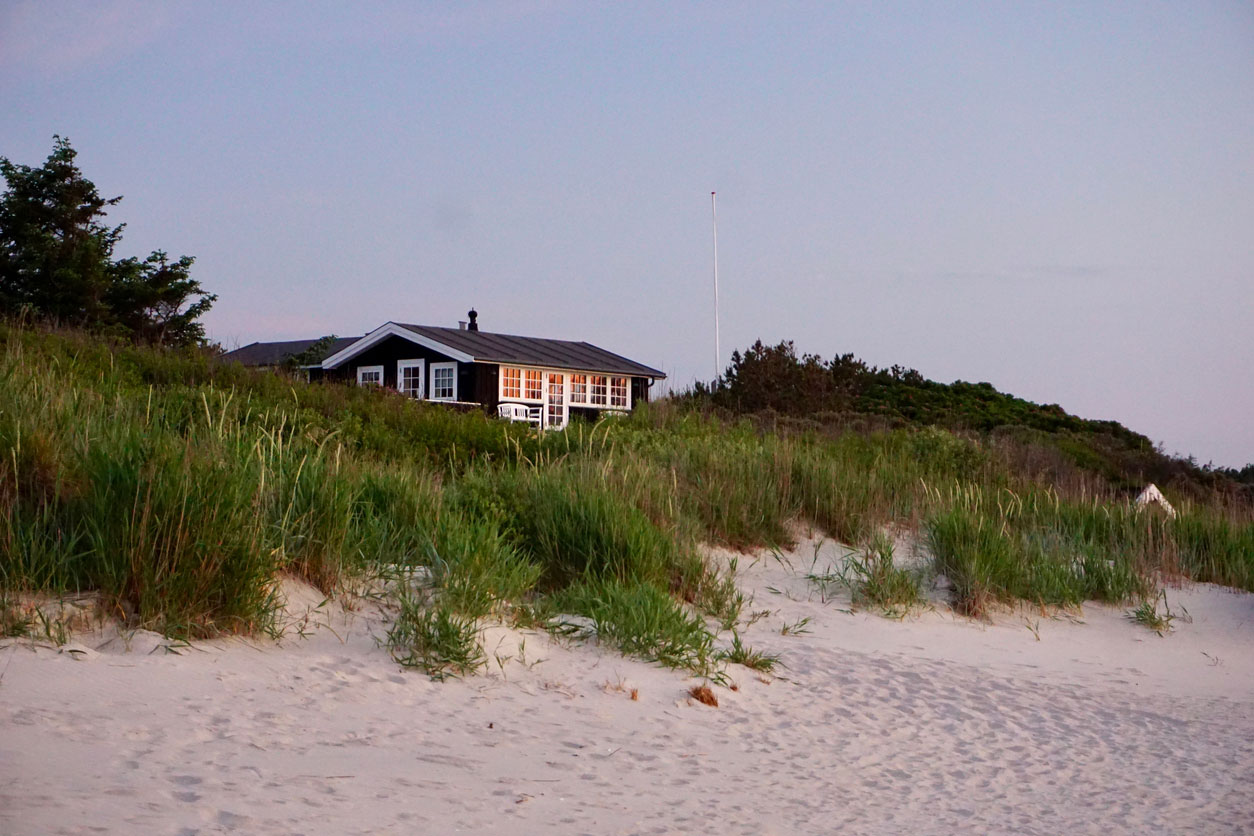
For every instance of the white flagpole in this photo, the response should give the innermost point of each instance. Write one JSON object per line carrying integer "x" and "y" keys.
{"x": 717, "y": 352}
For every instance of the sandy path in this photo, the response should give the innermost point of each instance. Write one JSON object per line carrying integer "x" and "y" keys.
{"x": 934, "y": 725}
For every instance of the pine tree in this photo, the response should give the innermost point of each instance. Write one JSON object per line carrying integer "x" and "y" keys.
{"x": 56, "y": 260}
{"x": 55, "y": 253}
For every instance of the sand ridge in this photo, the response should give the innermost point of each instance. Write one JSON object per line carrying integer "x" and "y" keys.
{"x": 934, "y": 724}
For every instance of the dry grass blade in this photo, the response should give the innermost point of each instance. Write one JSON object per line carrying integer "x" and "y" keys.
{"x": 703, "y": 694}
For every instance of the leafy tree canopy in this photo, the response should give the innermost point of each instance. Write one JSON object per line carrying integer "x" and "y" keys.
{"x": 57, "y": 262}
{"x": 311, "y": 355}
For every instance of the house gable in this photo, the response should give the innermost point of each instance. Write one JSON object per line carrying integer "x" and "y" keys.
{"x": 392, "y": 329}
{"x": 394, "y": 352}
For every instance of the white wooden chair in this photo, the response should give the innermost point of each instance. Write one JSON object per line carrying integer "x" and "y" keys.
{"x": 520, "y": 412}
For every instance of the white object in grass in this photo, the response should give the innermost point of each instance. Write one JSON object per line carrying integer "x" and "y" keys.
{"x": 1153, "y": 494}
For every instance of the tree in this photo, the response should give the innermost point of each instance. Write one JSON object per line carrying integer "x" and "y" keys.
{"x": 55, "y": 254}
{"x": 774, "y": 377}
{"x": 56, "y": 260}
{"x": 150, "y": 300}
{"x": 311, "y": 355}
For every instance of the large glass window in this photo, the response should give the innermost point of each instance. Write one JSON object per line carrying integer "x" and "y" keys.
{"x": 585, "y": 389}
{"x": 618, "y": 392}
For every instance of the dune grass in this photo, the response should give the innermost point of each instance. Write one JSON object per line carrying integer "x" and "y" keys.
{"x": 1000, "y": 546}
{"x": 438, "y": 640}
{"x": 180, "y": 489}
{"x": 876, "y": 580}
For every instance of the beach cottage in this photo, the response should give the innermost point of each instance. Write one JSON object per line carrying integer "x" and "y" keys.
{"x": 543, "y": 381}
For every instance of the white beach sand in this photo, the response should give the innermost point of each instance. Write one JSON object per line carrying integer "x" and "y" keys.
{"x": 1033, "y": 724}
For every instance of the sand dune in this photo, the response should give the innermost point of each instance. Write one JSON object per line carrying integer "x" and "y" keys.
{"x": 1034, "y": 724}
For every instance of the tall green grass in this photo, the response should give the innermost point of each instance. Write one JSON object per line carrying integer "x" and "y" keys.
{"x": 180, "y": 488}
{"x": 999, "y": 547}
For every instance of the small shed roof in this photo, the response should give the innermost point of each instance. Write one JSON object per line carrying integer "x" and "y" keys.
{"x": 275, "y": 354}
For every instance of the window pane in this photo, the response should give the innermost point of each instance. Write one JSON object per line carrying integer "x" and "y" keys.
{"x": 442, "y": 383}
{"x": 598, "y": 389}
{"x": 578, "y": 388}
{"x": 532, "y": 390}
{"x": 511, "y": 382}
{"x": 411, "y": 381}
{"x": 618, "y": 392}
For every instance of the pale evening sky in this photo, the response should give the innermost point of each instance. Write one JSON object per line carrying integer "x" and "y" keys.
{"x": 1054, "y": 198}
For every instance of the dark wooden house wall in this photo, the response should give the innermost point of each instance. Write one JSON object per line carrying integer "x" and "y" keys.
{"x": 486, "y": 387}
{"x": 639, "y": 390}
{"x": 394, "y": 349}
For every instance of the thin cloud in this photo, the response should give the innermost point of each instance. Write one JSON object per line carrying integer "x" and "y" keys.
{"x": 406, "y": 23}
{"x": 1013, "y": 274}
{"x": 58, "y": 38}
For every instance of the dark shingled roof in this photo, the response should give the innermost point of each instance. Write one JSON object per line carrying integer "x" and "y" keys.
{"x": 274, "y": 354}
{"x": 486, "y": 347}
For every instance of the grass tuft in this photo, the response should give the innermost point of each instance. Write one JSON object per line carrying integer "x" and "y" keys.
{"x": 739, "y": 654}
{"x": 436, "y": 640}
{"x": 876, "y": 581}
{"x": 1147, "y": 614}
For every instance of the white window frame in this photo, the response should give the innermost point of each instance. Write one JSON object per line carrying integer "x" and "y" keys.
{"x": 444, "y": 365}
{"x": 501, "y": 384}
{"x": 362, "y": 371}
{"x": 528, "y": 375}
{"x": 579, "y": 397}
{"x": 602, "y": 400}
{"x": 559, "y": 399}
{"x": 402, "y": 366}
{"x": 521, "y": 397}
{"x": 589, "y": 401}
{"x": 609, "y": 393}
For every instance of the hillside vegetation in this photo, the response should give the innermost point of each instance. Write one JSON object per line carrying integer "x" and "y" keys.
{"x": 180, "y": 489}
{"x": 845, "y": 391}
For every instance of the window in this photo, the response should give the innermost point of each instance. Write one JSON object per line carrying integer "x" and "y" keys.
{"x": 578, "y": 388}
{"x": 443, "y": 381}
{"x": 511, "y": 382}
{"x": 598, "y": 390}
{"x": 409, "y": 377}
{"x": 532, "y": 390}
{"x": 521, "y": 384}
{"x": 618, "y": 392}
{"x": 369, "y": 375}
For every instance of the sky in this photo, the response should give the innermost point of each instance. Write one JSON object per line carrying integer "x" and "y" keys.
{"x": 1054, "y": 198}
